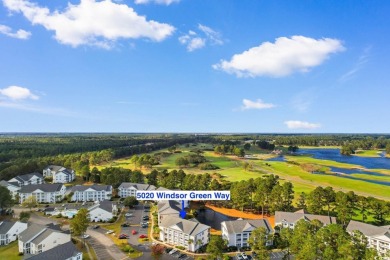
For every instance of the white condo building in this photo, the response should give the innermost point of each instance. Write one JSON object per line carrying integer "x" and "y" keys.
{"x": 44, "y": 193}
{"x": 91, "y": 193}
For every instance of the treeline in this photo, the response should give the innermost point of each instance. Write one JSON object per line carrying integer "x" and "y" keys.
{"x": 312, "y": 240}
{"x": 229, "y": 149}
{"x": 39, "y": 150}
{"x": 363, "y": 140}
{"x": 345, "y": 206}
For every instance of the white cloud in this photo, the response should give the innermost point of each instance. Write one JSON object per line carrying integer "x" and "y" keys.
{"x": 91, "y": 22}
{"x": 161, "y": 2}
{"x": 292, "y": 124}
{"x": 199, "y": 40}
{"x": 258, "y": 104}
{"x": 17, "y": 93}
{"x": 282, "y": 58}
{"x": 19, "y": 34}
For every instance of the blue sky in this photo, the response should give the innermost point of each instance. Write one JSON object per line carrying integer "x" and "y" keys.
{"x": 194, "y": 66}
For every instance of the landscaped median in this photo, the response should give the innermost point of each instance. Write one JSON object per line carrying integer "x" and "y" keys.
{"x": 121, "y": 243}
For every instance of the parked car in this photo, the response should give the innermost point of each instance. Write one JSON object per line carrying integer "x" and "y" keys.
{"x": 85, "y": 236}
{"x": 134, "y": 232}
{"x": 123, "y": 236}
{"x": 96, "y": 227}
{"x": 125, "y": 225}
{"x": 173, "y": 251}
{"x": 239, "y": 257}
{"x": 182, "y": 256}
{"x": 144, "y": 226}
{"x": 244, "y": 256}
{"x": 143, "y": 236}
{"x": 128, "y": 215}
{"x": 145, "y": 218}
{"x": 110, "y": 232}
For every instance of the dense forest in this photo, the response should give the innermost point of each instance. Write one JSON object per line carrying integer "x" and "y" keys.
{"x": 25, "y": 153}
{"x": 21, "y": 154}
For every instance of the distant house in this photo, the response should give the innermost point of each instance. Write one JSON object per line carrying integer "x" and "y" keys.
{"x": 237, "y": 232}
{"x": 378, "y": 237}
{"x": 289, "y": 219}
{"x": 127, "y": 189}
{"x": 102, "y": 211}
{"x": 59, "y": 174}
{"x": 44, "y": 193}
{"x": 38, "y": 238}
{"x": 13, "y": 187}
{"x": 91, "y": 193}
{"x": 182, "y": 232}
{"x": 9, "y": 231}
{"x": 28, "y": 179}
{"x": 66, "y": 251}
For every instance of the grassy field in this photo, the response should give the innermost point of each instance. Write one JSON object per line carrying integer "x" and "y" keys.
{"x": 368, "y": 153}
{"x": 10, "y": 252}
{"x": 232, "y": 169}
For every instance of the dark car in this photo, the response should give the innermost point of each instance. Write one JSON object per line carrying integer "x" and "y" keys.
{"x": 125, "y": 225}
{"x": 123, "y": 236}
{"x": 145, "y": 217}
{"x": 96, "y": 226}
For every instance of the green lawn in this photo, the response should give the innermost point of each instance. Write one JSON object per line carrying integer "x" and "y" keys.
{"x": 368, "y": 153}
{"x": 10, "y": 252}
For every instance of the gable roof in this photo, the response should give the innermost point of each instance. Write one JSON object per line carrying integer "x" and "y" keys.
{"x": 40, "y": 231}
{"x": 137, "y": 186}
{"x": 28, "y": 176}
{"x": 46, "y": 187}
{"x": 190, "y": 227}
{"x": 367, "y": 229}
{"x": 5, "y": 226}
{"x": 53, "y": 167}
{"x": 293, "y": 217}
{"x": 104, "y": 205}
{"x": 168, "y": 207}
{"x": 7, "y": 183}
{"x": 30, "y": 232}
{"x": 95, "y": 187}
{"x": 239, "y": 226}
{"x": 59, "y": 252}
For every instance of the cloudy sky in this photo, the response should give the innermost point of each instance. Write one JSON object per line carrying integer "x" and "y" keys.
{"x": 194, "y": 66}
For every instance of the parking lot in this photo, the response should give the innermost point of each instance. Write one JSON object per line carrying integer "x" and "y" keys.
{"x": 134, "y": 221}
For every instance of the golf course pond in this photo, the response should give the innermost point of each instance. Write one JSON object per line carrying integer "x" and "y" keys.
{"x": 364, "y": 164}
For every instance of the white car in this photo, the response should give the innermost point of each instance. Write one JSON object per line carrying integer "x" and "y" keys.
{"x": 110, "y": 232}
{"x": 173, "y": 251}
{"x": 85, "y": 236}
{"x": 128, "y": 215}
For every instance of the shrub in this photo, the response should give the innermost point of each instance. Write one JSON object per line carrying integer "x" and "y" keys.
{"x": 208, "y": 166}
{"x": 180, "y": 247}
{"x": 231, "y": 249}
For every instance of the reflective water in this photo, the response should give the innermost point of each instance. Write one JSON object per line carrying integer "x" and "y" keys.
{"x": 211, "y": 218}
